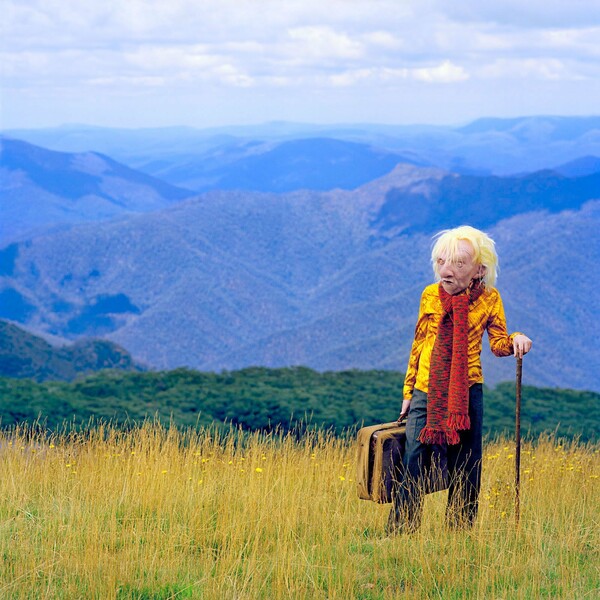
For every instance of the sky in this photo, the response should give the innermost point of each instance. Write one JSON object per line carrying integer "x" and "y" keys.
{"x": 205, "y": 63}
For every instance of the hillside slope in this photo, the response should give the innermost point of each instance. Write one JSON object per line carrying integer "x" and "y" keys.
{"x": 42, "y": 189}
{"x": 328, "y": 280}
{"x": 24, "y": 355}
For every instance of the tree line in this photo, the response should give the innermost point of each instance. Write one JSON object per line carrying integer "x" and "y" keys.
{"x": 261, "y": 398}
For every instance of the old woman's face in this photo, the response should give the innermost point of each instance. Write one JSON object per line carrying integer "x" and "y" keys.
{"x": 457, "y": 275}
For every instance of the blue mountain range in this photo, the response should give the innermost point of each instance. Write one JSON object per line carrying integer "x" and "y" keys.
{"x": 306, "y": 250}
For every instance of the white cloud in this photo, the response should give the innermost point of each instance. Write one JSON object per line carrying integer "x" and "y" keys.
{"x": 544, "y": 68}
{"x": 230, "y": 75}
{"x": 367, "y": 46}
{"x": 323, "y": 43}
{"x": 159, "y": 58}
{"x": 444, "y": 73}
{"x": 383, "y": 39}
{"x": 353, "y": 77}
{"x": 577, "y": 43}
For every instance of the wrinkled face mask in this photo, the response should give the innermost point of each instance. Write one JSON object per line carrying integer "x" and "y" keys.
{"x": 456, "y": 275}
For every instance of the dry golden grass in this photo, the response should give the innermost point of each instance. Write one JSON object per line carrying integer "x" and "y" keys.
{"x": 155, "y": 513}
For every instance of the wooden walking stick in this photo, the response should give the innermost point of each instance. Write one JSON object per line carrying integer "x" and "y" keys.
{"x": 518, "y": 441}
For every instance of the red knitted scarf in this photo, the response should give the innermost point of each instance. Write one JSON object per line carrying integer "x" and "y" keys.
{"x": 448, "y": 394}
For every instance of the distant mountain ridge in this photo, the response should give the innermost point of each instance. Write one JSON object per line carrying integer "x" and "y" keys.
{"x": 41, "y": 188}
{"x": 24, "y": 355}
{"x": 581, "y": 167}
{"x": 483, "y": 201}
{"x": 483, "y": 147}
{"x": 308, "y": 163}
{"x": 75, "y": 175}
{"x": 548, "y": 127}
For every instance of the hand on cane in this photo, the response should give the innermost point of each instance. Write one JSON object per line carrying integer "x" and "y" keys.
{"x": 521, "y": 345}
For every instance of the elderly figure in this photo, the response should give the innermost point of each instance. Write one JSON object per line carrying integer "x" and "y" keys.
{"x": 443, "y": 392}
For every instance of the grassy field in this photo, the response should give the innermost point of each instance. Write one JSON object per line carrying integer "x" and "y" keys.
{"x": 163, "y": 513}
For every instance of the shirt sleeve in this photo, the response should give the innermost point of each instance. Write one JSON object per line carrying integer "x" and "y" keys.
{"x": 501, "y": 343}
{"x": 415, "y": 352}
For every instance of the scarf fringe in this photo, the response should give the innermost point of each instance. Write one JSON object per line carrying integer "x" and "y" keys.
{"x": 433, "y": 436}
{"x": 459, "y": 422}
{"x": 452, "y": 438}
{"x": 429, "y": 435}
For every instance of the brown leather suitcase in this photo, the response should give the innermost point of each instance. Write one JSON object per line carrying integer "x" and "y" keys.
{"x": 379, "y": 460}
{"x": 379, "y": 463}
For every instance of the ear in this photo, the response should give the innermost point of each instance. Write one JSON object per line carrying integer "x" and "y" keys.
{"x": 481, "y": 271}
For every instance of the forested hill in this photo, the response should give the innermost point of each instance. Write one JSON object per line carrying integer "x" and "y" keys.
{"x": 24, "y": 355}
{"x": 262, "y": 398}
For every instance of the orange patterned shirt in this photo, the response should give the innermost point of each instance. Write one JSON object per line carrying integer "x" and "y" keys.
{"x": 486, "y": 313}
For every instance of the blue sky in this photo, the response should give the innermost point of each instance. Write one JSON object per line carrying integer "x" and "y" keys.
{"x": 139, "y": 63}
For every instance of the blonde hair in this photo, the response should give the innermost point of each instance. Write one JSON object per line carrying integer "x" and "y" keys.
{"x": 484, "y": 247}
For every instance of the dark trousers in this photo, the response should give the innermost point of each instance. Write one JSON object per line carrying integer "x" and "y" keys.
{"x": 463, "y": 463}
